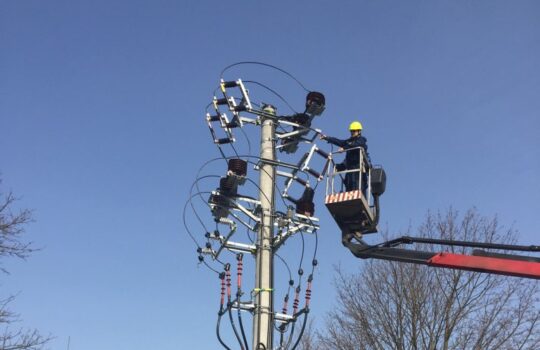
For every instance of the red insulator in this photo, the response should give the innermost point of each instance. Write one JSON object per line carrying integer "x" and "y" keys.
{"x": 308, "y": 293}
{"x": 228, "y": 277}
{"x": 222, "y": 300}
{"x": 296, "y": 300}
{"x": 238, "y": 166}
{"x": 240, "y": 270}
{"x": 285, "y": 304}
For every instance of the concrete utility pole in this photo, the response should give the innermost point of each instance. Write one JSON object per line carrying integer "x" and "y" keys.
{"x": 264, "y": 279}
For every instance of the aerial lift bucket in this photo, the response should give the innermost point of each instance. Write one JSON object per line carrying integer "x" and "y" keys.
{"x": 355, "y": 210}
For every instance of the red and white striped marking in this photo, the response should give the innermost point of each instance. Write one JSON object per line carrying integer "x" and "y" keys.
{"x": 343, "y": 196}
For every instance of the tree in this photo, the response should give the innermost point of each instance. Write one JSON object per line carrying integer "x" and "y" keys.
{"x": 12, "y": 228}
{"x": 392, "y": 305}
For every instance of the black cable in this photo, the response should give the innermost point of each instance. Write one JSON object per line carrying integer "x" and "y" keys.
{"x": 314, "y": 262}
{"x": 266, "y": 65}
{"x": 242, "y": 329}
{"x": 185, "y": 225}
{"x": 300, "y": 271}
{"x": 272, "y": 91}
{"x": 189, "y": 231}
{"x": 289, "y": 340}
{"x": 301, "y": 330}
{"x": 210, "y": 267}
{"x": 234, "y": 327}
{"x": 218, "y": 332}
{"x": 247, "y": 139}
{"x": 288, "y": 269}
{"x": 195, "y": 184}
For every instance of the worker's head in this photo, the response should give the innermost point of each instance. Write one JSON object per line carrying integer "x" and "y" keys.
{"x": 355, "y": 128}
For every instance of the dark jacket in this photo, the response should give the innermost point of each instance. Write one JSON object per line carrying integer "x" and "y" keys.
{"x": 352, "y": 158}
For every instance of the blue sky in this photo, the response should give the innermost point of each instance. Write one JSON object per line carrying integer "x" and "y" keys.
{"x": 102, "y": 133}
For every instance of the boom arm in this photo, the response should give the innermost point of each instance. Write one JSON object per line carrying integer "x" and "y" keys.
{"x": 479, "y": 261}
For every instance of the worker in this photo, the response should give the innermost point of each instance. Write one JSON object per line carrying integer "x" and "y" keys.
{"x": 352, "y": 158}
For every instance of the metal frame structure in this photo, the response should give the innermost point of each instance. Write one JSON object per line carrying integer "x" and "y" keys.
{"x": 355, "y": 211}
{"x": 230, "y": 209}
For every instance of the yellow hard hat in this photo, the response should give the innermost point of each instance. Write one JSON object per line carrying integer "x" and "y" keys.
{"x": 355, "y": 126}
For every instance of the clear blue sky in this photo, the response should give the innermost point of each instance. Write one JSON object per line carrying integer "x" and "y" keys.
{"x": 102, "y": 131}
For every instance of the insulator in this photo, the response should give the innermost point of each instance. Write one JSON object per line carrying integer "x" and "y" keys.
{"x": 300, "y": 272}
{"x": 296, "y": 300}
{"x": 216, "y": 233}
{"x": 223, "y": 141}
{"x": 322, "y": 153}
{"x": 233, "y": 124}
{"x": 285, "y": 304}
{"x": 314, "y": 173}
{"x": 305, "y": 208}
{"x": 315, "y": 103}
{"x": 219, "y": 200}
{"x": 240, "y": 108}
{"x": 315, "y": 97}
{"x": 199, "y": 250}
{"x": 237, "y": 166}
{"x": 221, "y": 101}
{"x": 201, "y": 259}
{"x": 301, "y": 181}
{"x": 208, "y": 245}
{"x": 213, "y": 118}
{"x": 207, "y": 235}
{"x": 314, "y": 262}
{"x": 230, "y": 84}
{"x": 291, "y": 283}
{"x": 227, "y": 186}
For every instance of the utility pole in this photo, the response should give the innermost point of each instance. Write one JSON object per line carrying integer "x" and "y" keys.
{"x": 264, "y": 265}
{"x": 272, "y": 225}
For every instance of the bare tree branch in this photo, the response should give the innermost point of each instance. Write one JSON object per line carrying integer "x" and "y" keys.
{"x": 391, "y": 305}
{"x": 12, "y": 228}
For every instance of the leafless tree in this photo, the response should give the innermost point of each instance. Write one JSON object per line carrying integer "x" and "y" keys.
{"x": 12, "y": 226}
{"x": 391, "y": 305}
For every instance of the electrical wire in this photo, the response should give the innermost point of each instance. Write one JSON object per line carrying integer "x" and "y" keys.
{"x": 187, "y": 229}
{"x": 301, "y": 331}
{"x": 242, "y": 328}
{"x": 234, "y": 327}
{"x": 288, "y": 269}
{"x": 199, "y": 192}
{"x": 266, "y": 65}
{"x": 218, "y": 333}
{"x": 247, "y": 139}
{"x": 272, "y": 91}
